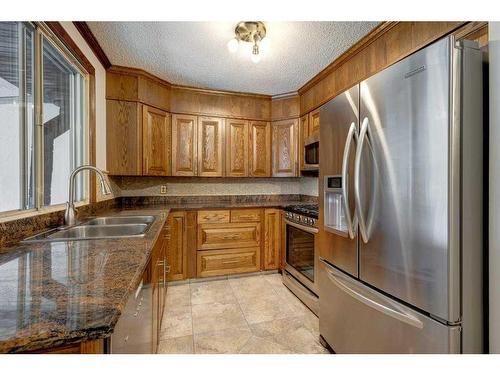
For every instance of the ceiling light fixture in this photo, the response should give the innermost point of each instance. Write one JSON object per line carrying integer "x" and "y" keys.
{"x": 250, "y": 32}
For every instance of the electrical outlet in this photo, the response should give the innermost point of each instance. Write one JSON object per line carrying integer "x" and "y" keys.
{"x": 163, "y": 189}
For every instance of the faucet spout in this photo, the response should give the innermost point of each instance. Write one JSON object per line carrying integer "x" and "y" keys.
{"x": 70, "y": 213}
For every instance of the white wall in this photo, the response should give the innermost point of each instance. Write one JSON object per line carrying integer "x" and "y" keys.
{"x": 100, "y": 83}
{"x": 494, "y": 186}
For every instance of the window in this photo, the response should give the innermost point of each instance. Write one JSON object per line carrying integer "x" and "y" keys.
{"x": 43, "y": 114}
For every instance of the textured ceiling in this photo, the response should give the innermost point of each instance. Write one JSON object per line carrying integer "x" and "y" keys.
{"x": 195, "y": 53}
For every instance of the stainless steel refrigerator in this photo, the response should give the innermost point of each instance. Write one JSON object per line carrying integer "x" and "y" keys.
{"x": 401, "y": 207}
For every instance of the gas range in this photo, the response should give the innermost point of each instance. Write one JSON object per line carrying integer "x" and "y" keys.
{"x": 306, "y": 214}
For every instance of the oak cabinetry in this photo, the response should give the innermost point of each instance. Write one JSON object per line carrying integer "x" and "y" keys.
{"x": 210, "y": 146}
{"x": 184, "y": 145}
{"x": 224, "y": 236}
{"x": 213, "y": 216}
{"x": 284, "y": 149}
{"x": 236, "y": 148}
{"x": 124, "y": 138}
{"x": 303, "y": 134}
{"x": 245, "y": 215}
{"x": 155, "y": 142}
{"x": 259, "y": 162}
{"x": 314, "y": 122}
{"x": 272, "y": 239}
{"x": 177, "y": 248}
{"x": 228, "y": 261}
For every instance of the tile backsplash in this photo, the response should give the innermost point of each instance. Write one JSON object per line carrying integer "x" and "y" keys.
{"x": 127, "y": 186}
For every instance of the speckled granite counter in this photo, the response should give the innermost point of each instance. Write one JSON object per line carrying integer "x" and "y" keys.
{"x": 56, "y": 293}
{"x": 63, "y": 292}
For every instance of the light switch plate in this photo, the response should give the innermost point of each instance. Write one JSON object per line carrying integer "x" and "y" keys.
{"x": 163, "y": 189}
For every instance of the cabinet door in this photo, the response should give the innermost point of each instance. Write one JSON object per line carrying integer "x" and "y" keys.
{"x": 177, "y": 248}
{"x": 236, "y": 148}
{"x": 184, "y": 145}
{"x": 284, "y": 148}
{"x": 314, "y": 121}
{"x": 155, "y": 142}
{"x": 272, "y": 239}
{"x": 303, "y": 134}
{"x": 260, "y": 149}
{"x": 123, "y": 138}
{"x": 210, "y": 137}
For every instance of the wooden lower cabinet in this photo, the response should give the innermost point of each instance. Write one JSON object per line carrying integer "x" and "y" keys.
{"x": 226, "y": 236}
{"x": 272, "y": 239}
{"x": 228, "y": 261}
{"x": 84, "y": 347}
{"x": 177, "y": 248}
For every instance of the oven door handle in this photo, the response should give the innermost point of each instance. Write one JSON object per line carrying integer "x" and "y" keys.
{"x": 302, "y": 227}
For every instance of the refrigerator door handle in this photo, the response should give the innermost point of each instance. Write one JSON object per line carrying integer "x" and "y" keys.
{"x": 352, "y": 222}
{"x": 401, "y": 316}
{"x": 357, "y": 171}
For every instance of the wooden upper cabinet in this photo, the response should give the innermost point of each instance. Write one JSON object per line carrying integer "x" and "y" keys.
{"x": 284, "y": 151}
{"x": 184, "y": 145}
{"x": 155, "y": 142}
{"x": 314, "y": 121}
{"x": 236, "y": 148}
{"x": 259, "y": 161}
{"x": 123, "y": 138}
{"x": 210, "y": 146}
{"x": 303, "y": 134}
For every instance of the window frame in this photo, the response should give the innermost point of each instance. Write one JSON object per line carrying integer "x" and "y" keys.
{"x": 42, "y": 32}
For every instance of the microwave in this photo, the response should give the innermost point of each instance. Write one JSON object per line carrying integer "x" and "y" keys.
{"x": 311, "y": 153}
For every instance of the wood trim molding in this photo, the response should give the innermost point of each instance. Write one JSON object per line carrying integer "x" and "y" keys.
{"x": 64, "y": 37}
{"x": 94, "y": 45}
{"x": 369, "y": 38}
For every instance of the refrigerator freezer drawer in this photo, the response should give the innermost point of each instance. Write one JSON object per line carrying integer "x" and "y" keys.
{"x": 356, "y": 319}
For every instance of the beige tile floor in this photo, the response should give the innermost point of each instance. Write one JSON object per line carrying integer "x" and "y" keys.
{"x": 253, "y": 315}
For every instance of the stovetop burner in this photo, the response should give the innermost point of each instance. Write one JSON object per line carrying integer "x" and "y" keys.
{"x": 310, "y": 210}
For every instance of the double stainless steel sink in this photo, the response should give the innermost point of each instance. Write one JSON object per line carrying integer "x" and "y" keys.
{"x": 106, "y": 227}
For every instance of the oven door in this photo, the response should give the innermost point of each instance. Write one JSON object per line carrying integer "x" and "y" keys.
{"x": 300, "y": 255}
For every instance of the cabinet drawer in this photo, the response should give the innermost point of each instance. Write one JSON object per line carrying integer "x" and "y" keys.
{"x": 228, "y": 261}
{"x": 226, "y": 236}
{"x": 245, "y": 216}
{"x": 213, "y": 216}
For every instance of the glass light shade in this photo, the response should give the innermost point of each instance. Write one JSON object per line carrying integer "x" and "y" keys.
{"x": 233, "y": 45}
{"x": 255, "y": 58}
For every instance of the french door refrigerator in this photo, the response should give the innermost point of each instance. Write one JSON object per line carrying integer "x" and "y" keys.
{"x": 401, "y": 207}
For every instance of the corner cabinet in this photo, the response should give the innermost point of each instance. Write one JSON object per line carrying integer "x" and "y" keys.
{"x": 156, "y": 134}
{"x": 259, "y": 163}
{"x": 184, "y": 145}
{"x": 284, "y": 149}
{"x": 236, "y": 148}
{"x": 124, "y": 138}
{"x": 210, "y": 146}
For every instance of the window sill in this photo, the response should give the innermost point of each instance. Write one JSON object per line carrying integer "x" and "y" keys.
{"x": 23, "y": 214}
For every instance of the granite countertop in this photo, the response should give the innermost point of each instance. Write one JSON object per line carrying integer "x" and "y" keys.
{"x": 55, "y": 293}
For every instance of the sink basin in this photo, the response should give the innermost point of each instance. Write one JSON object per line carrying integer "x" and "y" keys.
{"x": 82, "y": 232}
{"x": 106, "y": 227}
{"x": 117, "y": 220}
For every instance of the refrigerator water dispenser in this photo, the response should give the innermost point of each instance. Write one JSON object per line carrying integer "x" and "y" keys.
{"x": 335, "y": 218}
